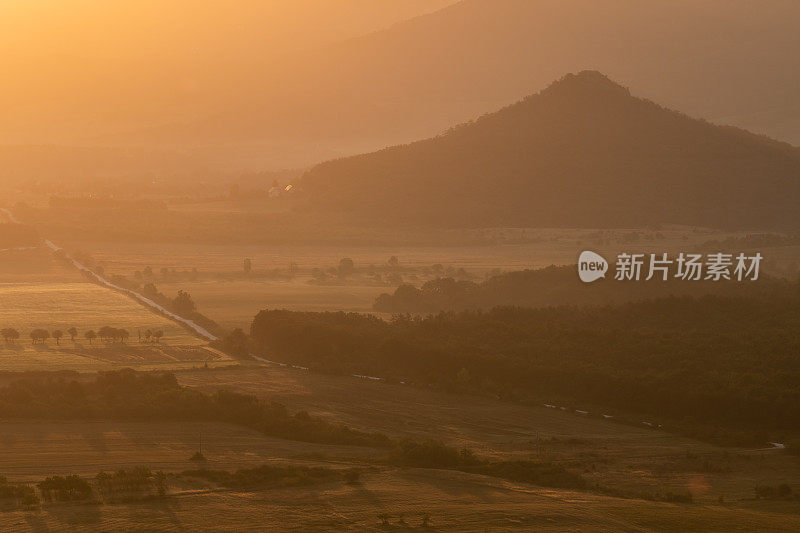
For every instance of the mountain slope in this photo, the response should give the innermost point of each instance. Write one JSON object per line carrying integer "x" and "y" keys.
{"x": 583, "y": 152}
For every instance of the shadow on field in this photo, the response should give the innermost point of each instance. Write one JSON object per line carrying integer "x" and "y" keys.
{"x": 141, "y": 438}
{"x": 36, "y": 522}
{"x": 155, "y": 511}
{"x": 452, "y": 483}
{"x": 14, "y": 347}
{"x": 71, "y": 515}
{"x": 7, "y": 439}
{"x": 96, "y": 440}
{"x": 366, "y": 495}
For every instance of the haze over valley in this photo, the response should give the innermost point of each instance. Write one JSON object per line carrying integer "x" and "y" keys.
{"x": 413, "y": 264}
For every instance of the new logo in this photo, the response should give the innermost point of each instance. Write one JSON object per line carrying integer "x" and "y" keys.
{"x": 591, "y": 266}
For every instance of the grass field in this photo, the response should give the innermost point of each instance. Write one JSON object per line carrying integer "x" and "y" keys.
{"x": 85, "y": 306}
{"x": 626, "y": 459}
{"x": 235, "y": 303}
{"x": 502, "y": 249}
{"x": 634, "y": 460}
{"x": 625, "y": 466}
{"x": 35, "y": 266}
{"x": 85, "y": 358}
{"x": 30, "y": 451}
{"x": 454, "y": 501}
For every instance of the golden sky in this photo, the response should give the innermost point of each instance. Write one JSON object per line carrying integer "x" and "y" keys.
{"x": 118, "y": 61}
{"x": 287, "y": 83}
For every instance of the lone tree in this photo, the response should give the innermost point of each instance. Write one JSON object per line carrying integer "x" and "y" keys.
{"x": 90, "y": 336}
{"x": 346, "y": 267}
{"x": 235, "y": 343}
{"x": 158, "y": 334}
{"x": 10, "y": 335}
{"x": 248, "y": 266}
{"x": 39, "y": 336}
{"x": 107, "y": 334}
{"x": 72, "y": 332}
{"x": 57, "y": 335}
{"x": 183, "y": 304}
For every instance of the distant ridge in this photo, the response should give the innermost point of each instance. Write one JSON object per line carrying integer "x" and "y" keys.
{"x": 287, "y": 84}
{"x": 582, "y": 152}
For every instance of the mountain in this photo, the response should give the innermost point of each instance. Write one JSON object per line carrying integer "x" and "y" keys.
{"x": 258, "y": 84}
{"x": 720, "y": 60}
{"x": 583, "y": 152}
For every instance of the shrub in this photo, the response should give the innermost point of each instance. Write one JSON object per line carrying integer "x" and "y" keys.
{"x": 134, "y": 484}
{"x": 538, "y": 473}
{"x": 431, "y": 454}
{"x": 22, "y": 494}
{"x": 265, "y": 476}
{"x": 67, "y": 488}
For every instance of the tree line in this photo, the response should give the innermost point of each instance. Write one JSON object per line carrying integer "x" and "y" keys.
{"x": 729, "y": 362}
{"x": 123, "y": 485}
{"x": 106, "y": 334}
{"x": 553, "y": 286}
{"x": 130, "y": 395}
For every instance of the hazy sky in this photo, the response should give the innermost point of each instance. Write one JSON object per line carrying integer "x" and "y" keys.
{"x": 71, "y": 70}
{"x": 265, "y": 84}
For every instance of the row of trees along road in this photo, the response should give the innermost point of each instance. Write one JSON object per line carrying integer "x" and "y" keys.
{"x": 106, "y": 334}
